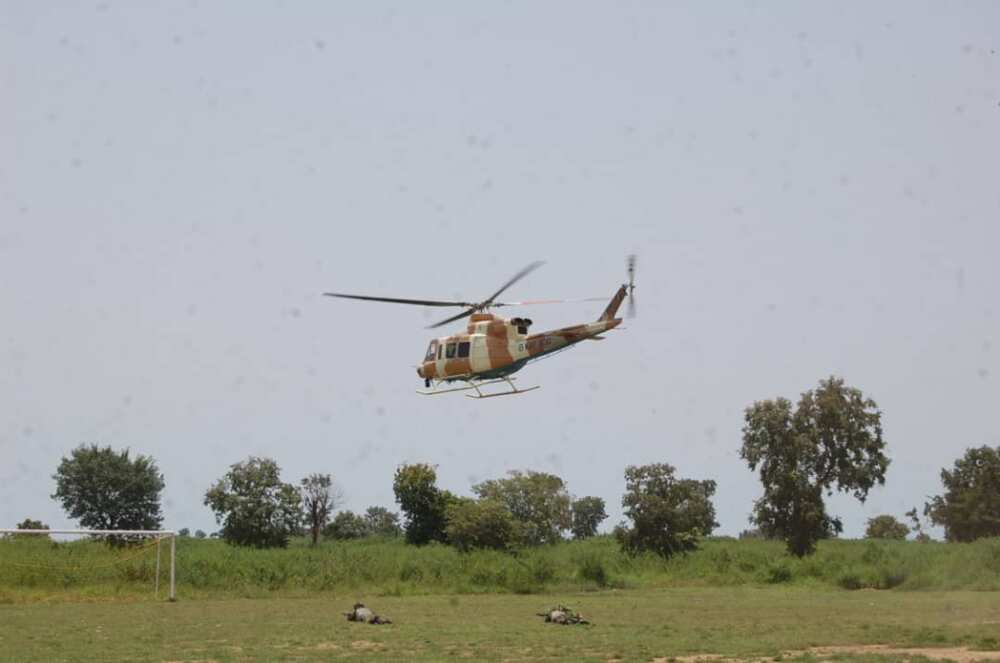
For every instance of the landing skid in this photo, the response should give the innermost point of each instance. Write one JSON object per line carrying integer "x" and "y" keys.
{"x": 474, "y": 385}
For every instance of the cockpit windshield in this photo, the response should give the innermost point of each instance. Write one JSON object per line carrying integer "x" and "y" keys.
{"x": 431, "y": 351}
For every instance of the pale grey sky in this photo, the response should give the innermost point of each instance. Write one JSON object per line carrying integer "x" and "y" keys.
{"x": 811, "y": 188}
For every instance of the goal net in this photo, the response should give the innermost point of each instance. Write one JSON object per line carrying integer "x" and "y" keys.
{"x": 89, "y": 563}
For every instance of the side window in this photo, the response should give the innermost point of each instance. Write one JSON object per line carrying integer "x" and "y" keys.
{"x": 463, "y": 349}
{"x": 449, "y": 351}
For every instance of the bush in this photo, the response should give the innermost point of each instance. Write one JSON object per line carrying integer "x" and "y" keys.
{"x": 346, "y": 525}
{"x": 476, "y": 524}
{"x": 886, "y": 527}
{"x": 778, "y": 572}
{"x": 850, "y": 580}
{"x": 591, "y": 567}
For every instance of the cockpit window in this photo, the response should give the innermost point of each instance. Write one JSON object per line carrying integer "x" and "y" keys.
{"x": 431, "y": 351}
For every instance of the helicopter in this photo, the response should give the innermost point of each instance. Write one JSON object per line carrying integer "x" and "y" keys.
{"x": 493, "y": 348}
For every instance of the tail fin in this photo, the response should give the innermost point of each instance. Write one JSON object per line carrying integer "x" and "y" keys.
{"x": 616, "y": 301}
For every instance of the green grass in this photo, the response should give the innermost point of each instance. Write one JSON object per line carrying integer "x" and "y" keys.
{"x": 38, "y": 569}
{"x": 627, "y": 624}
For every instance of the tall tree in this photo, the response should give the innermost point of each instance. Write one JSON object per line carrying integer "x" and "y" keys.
{"x": 319, "y": 498}
{"x": 970, "y": 506}
{"x": 831, "y": 440}
{"x": 422, "y": 502}
{"x": 588, "y": 513}
{"x": 107, "y": 489}
{"x": 538, "y": 501}
{"x": 669, "y": 515}
{"x": 254, "y": 506}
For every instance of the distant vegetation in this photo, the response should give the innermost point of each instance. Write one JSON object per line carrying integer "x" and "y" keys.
{"x": 36, "y": 568}
{"x": 830, "y": 440}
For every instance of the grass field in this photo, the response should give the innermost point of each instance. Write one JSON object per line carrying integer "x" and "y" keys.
{"x": 738, "y": 599}
{"x": 639, "y": 625}
{"x": 39, "y": 570}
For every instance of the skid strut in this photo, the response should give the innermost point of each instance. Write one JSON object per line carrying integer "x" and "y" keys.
{"x": 475, "y": 385}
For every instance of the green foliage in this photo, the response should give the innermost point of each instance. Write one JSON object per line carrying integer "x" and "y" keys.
{"x": 886, "y": 527}
{"x": 105, "y": 489}
{"x": 480, "y": 524}
{"x": 970, "y": 506}
{"x": 346, "y": 525}
{"x": 592, "y": 566}
{"x": 538, "y": 501}
{"x": 588, "y": 513}
{"x": 668, "y": 515}
{"x": 200, "y": 534}
{"x": 28, "y": 523}
{"x": 207, "y": 568}
{"x": 319, "y": 498}
{"x": 832, "y": 440}
{"x": 184, "y": 531}
{"x": 379, "y": 521}
{"x": 422, "y": 502}
{"x": 253, "y": 505}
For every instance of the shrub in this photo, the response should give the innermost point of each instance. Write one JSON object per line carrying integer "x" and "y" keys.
{"x": 480, "y": 524}
{"x": 886, "y": 527}
{"x": 591, "y": 567}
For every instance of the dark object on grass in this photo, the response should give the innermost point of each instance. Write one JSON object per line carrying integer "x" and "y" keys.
{"x": 362, "y": 614}
{"x": 563, "y": 615}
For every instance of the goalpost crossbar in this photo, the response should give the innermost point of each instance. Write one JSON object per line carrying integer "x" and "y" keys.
{"x": 157, "y": 533}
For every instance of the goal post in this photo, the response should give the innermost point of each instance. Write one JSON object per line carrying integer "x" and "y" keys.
{"x": 157, "y": 535}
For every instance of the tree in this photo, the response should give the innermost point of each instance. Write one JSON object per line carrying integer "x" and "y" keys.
{"x": 253, "y": 506}
{"x": 920, "y": 535}
{"x": 480, "y": 524}
{"x": 970, "y": 506}
{"x": 199, "y": 534}
{"x": 422, "y": 502}
{"x": 668, "y": 515}
{"x": 588, "y": 513}
{"x": 346, "y": 525}
{"x": 886, "y": 527}
{"x": 107, "y": 489}
{"x": 28, "y": 523}
{"x": 379, "y": 521}
{"x": 832, "y": 440}
{"x": 184, "y": 531}
{"x": 538, "y": 501}
{"x": 319, "y": 499}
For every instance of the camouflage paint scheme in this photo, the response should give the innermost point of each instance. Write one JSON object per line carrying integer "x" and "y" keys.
{"x": 500, "y": 346}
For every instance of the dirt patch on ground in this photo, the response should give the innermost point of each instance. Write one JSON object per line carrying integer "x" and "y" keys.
{"x": 366, "y": 645}
{"x": 321, "y": 646}
{"x": 959, "y": 654}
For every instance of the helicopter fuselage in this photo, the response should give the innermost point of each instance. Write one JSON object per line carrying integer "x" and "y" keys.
{"x": 495, "y": 347}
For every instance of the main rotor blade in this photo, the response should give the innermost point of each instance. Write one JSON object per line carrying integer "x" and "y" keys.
{"x": 514, "y": 279}
{"x": 397, "y": 300}
{"x": 463, "y": 314}
{"x": 532, "y": 302}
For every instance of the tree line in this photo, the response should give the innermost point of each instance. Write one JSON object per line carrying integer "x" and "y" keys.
{"x": 830, "y": 440}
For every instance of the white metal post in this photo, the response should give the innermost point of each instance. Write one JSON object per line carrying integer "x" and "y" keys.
{"x": 173, "y": 555}
{"x": 156, "y": 585}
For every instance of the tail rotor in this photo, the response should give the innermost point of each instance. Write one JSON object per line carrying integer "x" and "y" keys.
{"x": 631, "y": 286}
